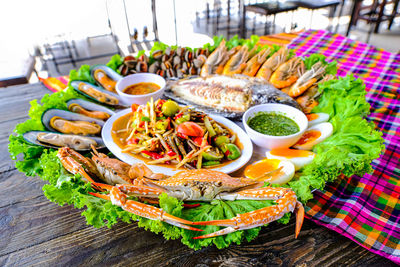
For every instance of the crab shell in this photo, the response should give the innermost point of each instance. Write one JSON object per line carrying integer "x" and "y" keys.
{"x": 200, "y": 184}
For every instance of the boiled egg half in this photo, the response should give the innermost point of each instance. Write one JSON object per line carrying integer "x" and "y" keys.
{"x": 314, "y": 135}
{"x": 315, "y": 118}
{"x": 299, "y": 158}
{"x": 274, "y": 171}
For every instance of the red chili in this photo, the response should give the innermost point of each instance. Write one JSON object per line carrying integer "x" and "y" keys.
{"x": 171, "y": 153}
{"x": 133, "y": 141}
{"x": 227, "y": 152}
{"x": 154, "y": 155}
{"x": 178, "y": 116}
{"x": 160, "y": 103}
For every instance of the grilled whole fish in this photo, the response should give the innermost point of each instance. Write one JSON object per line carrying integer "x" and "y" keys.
{"x": 229, "y": 96}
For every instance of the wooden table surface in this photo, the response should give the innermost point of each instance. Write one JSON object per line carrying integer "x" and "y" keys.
{"x": 35, "y": 231}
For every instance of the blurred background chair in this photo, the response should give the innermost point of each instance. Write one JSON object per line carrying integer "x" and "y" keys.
{"x": 373, "y": 13}
{"x": 318, "y": 4}
{"x": 144, "y": 39}
{"x": 269, "y": 8}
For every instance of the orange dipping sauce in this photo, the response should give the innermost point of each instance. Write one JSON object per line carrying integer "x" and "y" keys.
{"x": 143, "y": 88}
{"x": 309, "y": 136}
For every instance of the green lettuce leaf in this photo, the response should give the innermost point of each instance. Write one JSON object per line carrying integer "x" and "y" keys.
{"x": 331, "y": 67}
{"x": 353, "y": 144}
{"x": 83, "y": 74}
{"x": 115, "y": 61}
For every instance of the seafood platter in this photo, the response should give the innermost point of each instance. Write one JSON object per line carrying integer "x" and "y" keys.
{"x": 166, "y": 139}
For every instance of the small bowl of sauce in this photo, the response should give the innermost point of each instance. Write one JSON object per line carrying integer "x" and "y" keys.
{"x": 140, "y": 87}
{"x": 274, "y": 126}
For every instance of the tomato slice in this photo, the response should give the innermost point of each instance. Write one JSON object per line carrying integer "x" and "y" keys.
{"x": 190, "y": 128}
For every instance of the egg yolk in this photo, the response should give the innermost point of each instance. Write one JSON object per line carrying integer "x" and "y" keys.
{"x": 312, "y": 116}
{"x": 309, "y": 136}
{"x": 260, "y": 168}
{"x": 290, "y": 153}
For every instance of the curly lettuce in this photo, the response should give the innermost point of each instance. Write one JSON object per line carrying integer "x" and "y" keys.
{"x": 353, "y": 144}
{"x": 331, "y": 67}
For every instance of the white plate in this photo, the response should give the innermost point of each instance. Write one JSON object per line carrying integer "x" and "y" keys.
{"x": 228, "y": 168}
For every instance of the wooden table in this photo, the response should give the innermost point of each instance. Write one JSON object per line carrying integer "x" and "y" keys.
{"x": 16, "y": 70}
{"x": 35, "y": 231}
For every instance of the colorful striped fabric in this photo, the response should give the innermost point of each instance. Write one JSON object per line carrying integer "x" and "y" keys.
{"x": 365, "y": 209}
{"x": 55, "y": 84}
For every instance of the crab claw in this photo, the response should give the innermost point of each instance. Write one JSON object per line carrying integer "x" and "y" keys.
{"x": 118, "y": 198}
{"x": 73, "y": 162}
{"x": 287, "y": 202}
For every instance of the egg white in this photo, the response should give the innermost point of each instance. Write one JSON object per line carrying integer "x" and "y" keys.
{"x": 288, "y": 170}
{"x": 326, "y": 130}
{"x": 298, "y": 162}
{"x": 322, "y": 117}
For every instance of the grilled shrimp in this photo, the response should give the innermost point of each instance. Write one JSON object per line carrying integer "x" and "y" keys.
{"x": 255, "y": 62}
{"x": 217, "y": 58}
{"x": 237, "y": 62}
{"x": 288, "y": 73}
{"x": 272, "y": 63}
{"x": 307, "y": 79}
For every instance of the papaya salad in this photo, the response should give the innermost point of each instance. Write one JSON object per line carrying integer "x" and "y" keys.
{"x": 166, "y": 133}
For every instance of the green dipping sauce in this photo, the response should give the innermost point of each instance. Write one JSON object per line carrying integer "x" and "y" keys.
{"x": 272, "y": 123}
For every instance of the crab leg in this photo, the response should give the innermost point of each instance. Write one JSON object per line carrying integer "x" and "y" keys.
{"x": 133, "y": 190}
{"x": 285, "y": 199}
{"x": 118, "y": 198}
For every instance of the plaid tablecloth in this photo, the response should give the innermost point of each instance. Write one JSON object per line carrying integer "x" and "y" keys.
{"x": 365, "y": 209}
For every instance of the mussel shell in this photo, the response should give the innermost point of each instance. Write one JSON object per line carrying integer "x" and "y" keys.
{"x": 157, "y": 54}
{"x": 131, "y": 63}
{"x": 123, "y": 69}
{"x": 154, "y": 67}
{"x": 180, "y": 51}
{"x": 189, "y": 56}
{"x": 31, "y": 137}
{"x": 68, "y": 115}
{"x": 89, "y": 105}
{"x": 75, "y": 85}
{"x": 110, "y": 73}
{"x": 141, "y": 66}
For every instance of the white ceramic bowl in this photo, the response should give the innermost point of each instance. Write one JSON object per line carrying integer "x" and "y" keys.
{"x": 139, "y": 78}
{"x": 270, "y": 141}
